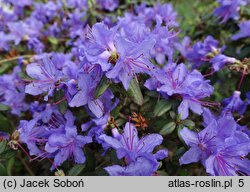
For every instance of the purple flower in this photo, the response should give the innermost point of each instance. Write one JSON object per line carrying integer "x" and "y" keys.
{"x": 77, "y": 3}
{"x": 164, "y": 46}
{"x": 67, "y": 144}
{"x": 5, "y": 40}
{"x": 109, "y": 5}
{"x": 244, "y": 31}
{"x": 207, "y": 51}
{"x": 46, "y": 113}
{"x": 109, "y": 103}
{"x": 164, "y": 13}
{"x": 167, "y": 13}
{"x": 87, "y": 83}
{"x": 235, "y": 103}
{"x": 141, "y": 167}
{"x": 229, "y": 9}
{"x": 36, "y": 45}
{"x": 24, "y": 30}
{"x": 12, "y": 91}
{"x": 201, "y": 144}
{"x": 220, "y": 60}
{"x": 33, "y": 135}
{"x": 133, "y": 29}
{"x": 137, "y": 152}
{"x": 220, "y": 147}
{"x": 120, "y": 57}
{"x": 133, "y": 59}
{"x": 45, "y": 12}
{"x": 101, "y": 48}
{"x": 46, "y": 77}
{"x": 191, "y": 86}
{"x": 129, "y": 145}
{"x": 230, "y": 161}
{"x": 200, "y": 51}
{"x": 20, "y": 3}
{"x": 96, "y": 126}
{"x": 184, "y": 47}
{"x": 55, "y": 138}
{"x": 136, "y": 29}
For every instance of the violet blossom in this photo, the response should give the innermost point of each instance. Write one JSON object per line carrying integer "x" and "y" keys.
{"x": 220, "y": 147}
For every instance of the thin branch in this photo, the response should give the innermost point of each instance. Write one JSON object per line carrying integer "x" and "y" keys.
{"x": 15, "y": 58}
{"x": 26, "y": 166}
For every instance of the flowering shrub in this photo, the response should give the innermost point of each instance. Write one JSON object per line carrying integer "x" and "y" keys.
{"x": 109, "y": 87}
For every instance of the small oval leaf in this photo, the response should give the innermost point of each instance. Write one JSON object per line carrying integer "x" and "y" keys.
{"x": 3, "y": 145}
{"x": 76, "y": 170}
{"x": 3, "y": 171}
{"x": 135, "y": 92}
{"x": 101, "y": 88}
{"x": 162, "y": 107}
{"x": 168, "y": 128}
{"x": 53, "y": 40}
{"x": 59, "y": 99}
{"x": 188, "y": 123}
{"x": 4, "y": 107}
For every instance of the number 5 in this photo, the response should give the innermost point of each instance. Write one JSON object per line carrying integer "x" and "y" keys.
{"x": 241, "y": 182}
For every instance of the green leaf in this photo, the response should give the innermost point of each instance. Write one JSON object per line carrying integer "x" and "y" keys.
{"x": 188, "y": 123}
{"x": 168, "y": 128}
{"x": 162, "y": 173}
{"x": 116, "y": 111}
{"x": 172, "y": 114}
{"x": 3, "y": 145}
{"x": 5, "y": 124}
{"x": 162, "y": 107}
{"x": 101, "y": 172}
{"x": 63, "y": 106}
{"x": 10, "y": 165}
{"x": 3, "y": 171}
{"x": 113, "y": 157}
{"x": 9, "y": 153}
{"x": 101, "y": 88}
{"x": 179, "y": 152}
{"x": 183, "y": 172}
{"x": 53, "y": 40}
{"x": 76, "y": 170}
{"x": 135, "y": 92}
{"x": 5, "y": 68}
{"x": 120, "y": 122}
{"x": 4, "y": 107}
{"x": 90, "y": 160}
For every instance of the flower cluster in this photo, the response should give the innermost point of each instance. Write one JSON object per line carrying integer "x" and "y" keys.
{"x": 12, "y": 91}
{"x": 85, "y": 67}
{"x": 137, "y": 153}
{"x": 51, "y": 21}
{"x": 222, "y": 146}
{"x": 176, "y": 80}
{"x": 229, "y": 9}
{"x": 50, "y": 134}
{"x": 205, "y": 52}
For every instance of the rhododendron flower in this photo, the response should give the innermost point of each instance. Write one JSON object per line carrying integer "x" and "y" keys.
{"x": 244, "y": 31}
{"x": 129, "y": 145}
{"x": 177, "y": 80}
{"x": 229, "y": 9}
{"x": 220, "y": 147}
{"x": 141, "y": 167}
{"x": 67, "y": 144}
{"x": 235, "y": 103}
{"x": 47, "y": 77}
